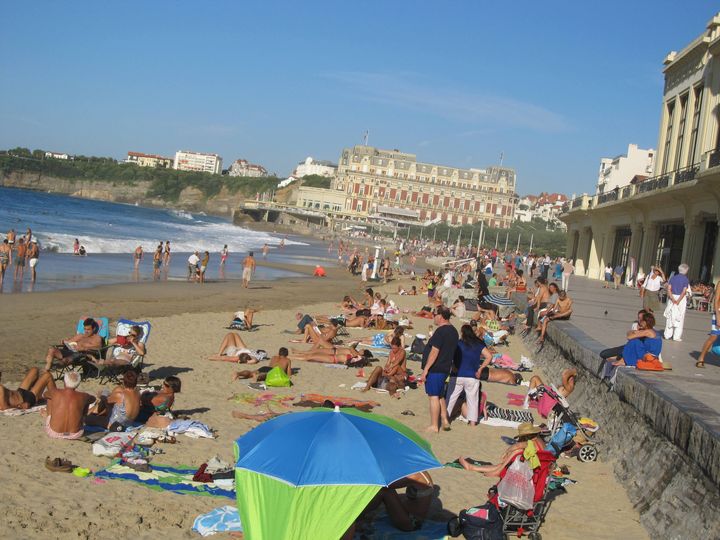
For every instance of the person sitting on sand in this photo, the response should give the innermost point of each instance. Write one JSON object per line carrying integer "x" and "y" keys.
{"x": 118, "y": 410}
{"x": 89, "y": 340}
{"x": 66, "y": 408}
{"x": 28, "y": 393}
{"x": 281, "y": 360}
{"x": 246, "y": 316}
{"x": 406, "y": 513}
{"x": 125, "y": 348}
{"x": 234, "y": 349}
{"x": 526, "y": 433}
{"x": 155, "y": 406}
{"x": 392, "y": 376}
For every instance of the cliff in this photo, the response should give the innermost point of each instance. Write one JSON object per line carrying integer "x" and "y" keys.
{"x": 190, "y": 199}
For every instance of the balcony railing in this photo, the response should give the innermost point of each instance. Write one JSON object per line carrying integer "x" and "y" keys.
{"x": 663, "y": 181}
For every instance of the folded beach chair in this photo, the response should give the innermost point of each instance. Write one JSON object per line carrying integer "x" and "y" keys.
{"x": 110, "y": 372}
{"x": 79, "y": 358}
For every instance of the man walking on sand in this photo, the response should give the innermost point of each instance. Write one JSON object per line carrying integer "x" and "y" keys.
{"x": 248, "y": 269}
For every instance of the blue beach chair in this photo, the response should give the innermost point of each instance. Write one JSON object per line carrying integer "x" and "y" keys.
{"x": 78, "y": 359}
{"x": 109, "y": 372}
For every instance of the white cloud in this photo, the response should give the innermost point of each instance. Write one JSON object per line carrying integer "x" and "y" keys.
{"x": 406, "y": 90}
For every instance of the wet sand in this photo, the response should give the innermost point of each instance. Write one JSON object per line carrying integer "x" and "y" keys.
{"x": 188, "y": 323}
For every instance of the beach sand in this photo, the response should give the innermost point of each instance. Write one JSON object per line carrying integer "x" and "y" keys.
{"x": 188, "y": 323}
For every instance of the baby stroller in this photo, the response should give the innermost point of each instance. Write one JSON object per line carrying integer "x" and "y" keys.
{"x": 566, "y": 432}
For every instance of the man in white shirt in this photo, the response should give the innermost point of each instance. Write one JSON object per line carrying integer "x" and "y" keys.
{"x": 193, "y": 261}
{"x": 651, "y": 289}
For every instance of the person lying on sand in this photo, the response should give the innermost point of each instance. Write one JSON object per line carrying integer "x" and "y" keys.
{"x": 323, "y": 337}
{"x": 392, "y": 376}
{"x": 154, "y": 406}
{"x": 120, "y": 409}
{"x": 28, "y": 393}
{"x": 247, "y": 316}
{"x": 280, "y": 360}
{"x": 569, "y": 376}
{"x": 66, "y": 408}
{"x": 383, "y": 339}
{"x": 89, "y": 340}
{"x": 333, "y": 355}
{"x": 526, "y": 432}
{"x": 234, "y": 349}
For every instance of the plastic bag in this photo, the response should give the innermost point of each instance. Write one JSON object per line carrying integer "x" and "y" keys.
{"x": 111, "y": 444}
{"x": 277, "y": 377}
{"x": 516, "y": 487}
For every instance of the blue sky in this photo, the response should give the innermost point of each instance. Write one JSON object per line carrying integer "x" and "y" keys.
{"x": 554, "y": 85}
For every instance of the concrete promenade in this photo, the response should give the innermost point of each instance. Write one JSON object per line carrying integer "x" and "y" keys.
{"x": 606, "y": 315}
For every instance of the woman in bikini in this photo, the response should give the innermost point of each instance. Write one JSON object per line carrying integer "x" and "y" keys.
{"x": 155, "y": 405}
{"x": 382, "y": 339}
{"x": 392, "y": 376}
{"x": 333, "y": 355}
{"x": 234, "y": 349}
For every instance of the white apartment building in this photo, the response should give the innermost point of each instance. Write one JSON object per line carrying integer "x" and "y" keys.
{"x": 57, "y": 155}
{"x": 315, "y": 167}
{"x": 241, "y": 167}
{"x": 617, "y": 172}
{"x": 186, "y": 160}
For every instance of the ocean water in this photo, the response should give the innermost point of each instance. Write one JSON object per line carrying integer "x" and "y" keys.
{"x": 110, "y": 232}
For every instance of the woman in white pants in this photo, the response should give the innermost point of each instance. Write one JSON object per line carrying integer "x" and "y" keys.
{"x": 567, "y": 270}
{"x": 471, "y": 363}
{"x": 678, "y": 285}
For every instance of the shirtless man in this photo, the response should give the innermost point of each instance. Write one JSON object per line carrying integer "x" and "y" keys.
{"x": 89, "y": 340}
{"x": 281, "y": 360}
{"x": 157, "y": 261}
{"x": 248, "y": 269}
{"x": 5, "y": 259}
{"x": 20, "y": 255}
{"x": 28, "y": 393}
{"x": 66, "y": 408}
{"x": 11, "y": 235}
{"x": 561, "y": 311}
{"x": 265, "y": 250}
{"x": 538, "y": 300}
{"x": 33, "y": 255}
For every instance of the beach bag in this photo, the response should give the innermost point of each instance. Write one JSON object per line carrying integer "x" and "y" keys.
{"x": 546, "y": 403}
{"x": 277, "y": 377}
{"x": 479, "y": 523}
{"x": 561, "y": 438}
{"x": 516, "y": 487}
{"x": 111, "y": 444}
{"x": 649, "y": 362}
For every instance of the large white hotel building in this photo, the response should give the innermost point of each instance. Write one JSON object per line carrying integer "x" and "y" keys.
{"x": 197, "y": 161}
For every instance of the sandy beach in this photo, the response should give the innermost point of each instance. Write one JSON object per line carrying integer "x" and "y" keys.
{"x": 189, "y": 322}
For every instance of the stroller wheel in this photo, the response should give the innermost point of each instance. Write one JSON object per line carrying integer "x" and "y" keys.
{"x": 587, "y": 453}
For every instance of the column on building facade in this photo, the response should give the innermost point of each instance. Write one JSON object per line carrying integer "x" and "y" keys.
{"x": 636, "y": 236}
{"x": 594, "y": 263}
{"x": 581, "y": 263}
{"x": 647, "y": 254}
{"x": 692, "y": 245}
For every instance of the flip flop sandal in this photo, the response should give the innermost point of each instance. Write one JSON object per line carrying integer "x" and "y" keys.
{"x": 58, "y": 465}
{"x": 700, "y": 364}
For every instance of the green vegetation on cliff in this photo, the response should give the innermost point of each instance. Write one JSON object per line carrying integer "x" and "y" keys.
{"x": 166, "y": 184}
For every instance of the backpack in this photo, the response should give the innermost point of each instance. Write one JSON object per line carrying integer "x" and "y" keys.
{"x": 475, "y": 527}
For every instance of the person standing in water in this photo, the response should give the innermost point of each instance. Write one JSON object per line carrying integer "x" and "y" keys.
{"x": 248, "y": 269}
{"x": 20, "y": 256}
{"x": 166, "y": 257}
{"x": 265, "y": 250}
{"x": 223, "y": 255}
{"x": 203, "y": 266}
{"x": 157, "y": 261}
{"x": 33, "y": 256}
{"x": 5, "y": 254}
{"x": 76, "y": 247}
{"x": 137, "y": 256}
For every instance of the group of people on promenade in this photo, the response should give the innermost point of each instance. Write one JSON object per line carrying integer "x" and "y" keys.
{"x": 19, "y": 251}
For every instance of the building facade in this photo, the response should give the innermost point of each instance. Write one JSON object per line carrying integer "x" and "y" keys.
{"x": 671, "y": 217}
{"x": 241, "y": 167}
{"x": 617, "y": 172}
{"x": 320, "y": 199}
{"x": 57, "y": 155}
{"x": 372, "y": 178}
{"x": 186, "y": 160}
{"x": 314, "y": 167}
{"x": 149, "y": 160}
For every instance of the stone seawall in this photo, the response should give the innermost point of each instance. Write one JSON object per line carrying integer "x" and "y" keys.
{"x": 664, "y": 445}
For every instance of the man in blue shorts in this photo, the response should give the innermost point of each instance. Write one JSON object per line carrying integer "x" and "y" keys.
{"x": 437, "y": 362}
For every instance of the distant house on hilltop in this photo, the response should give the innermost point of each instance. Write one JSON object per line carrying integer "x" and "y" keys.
{"x": 149, "y": 160}
{"x": 315, "y": 167}
{"x": 241, "y": 167}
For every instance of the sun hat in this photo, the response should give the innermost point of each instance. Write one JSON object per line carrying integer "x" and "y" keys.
{"x": 526, "y": 428}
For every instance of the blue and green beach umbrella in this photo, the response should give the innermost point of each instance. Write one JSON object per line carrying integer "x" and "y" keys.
{"x": 308, "y": 475}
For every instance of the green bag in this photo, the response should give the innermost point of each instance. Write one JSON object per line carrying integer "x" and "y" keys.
{"x": 277, "y": 377}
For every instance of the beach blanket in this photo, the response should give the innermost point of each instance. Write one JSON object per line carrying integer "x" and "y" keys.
{"x": 165, "y": 478}
{"x": 222, "y": 519}
{"x": 512, "y": 415}
{"x": 382, "y": 529}
{"x": 20, "y": 412}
